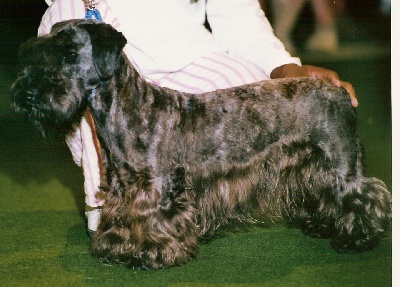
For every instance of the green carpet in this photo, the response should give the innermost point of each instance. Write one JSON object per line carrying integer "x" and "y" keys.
{"x": 42, "y": 231}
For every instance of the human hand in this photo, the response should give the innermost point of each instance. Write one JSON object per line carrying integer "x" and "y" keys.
{"x": 293, "y": 70}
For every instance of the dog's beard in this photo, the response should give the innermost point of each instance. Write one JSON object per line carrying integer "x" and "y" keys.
{"x": 42, "y": 116}
{"x": 39, "y": 119}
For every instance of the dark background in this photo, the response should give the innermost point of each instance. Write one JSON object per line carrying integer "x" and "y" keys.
{"x": 20, "y": 19}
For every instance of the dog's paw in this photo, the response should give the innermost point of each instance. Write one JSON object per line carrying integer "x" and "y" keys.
{"x": 351, "y": 245}
{"x": 316, "y": 227}
{"x": 315, "y": 230}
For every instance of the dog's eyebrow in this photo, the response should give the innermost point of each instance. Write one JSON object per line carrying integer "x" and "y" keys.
{"x": 63, "y": 44}
{"x": 70, "y": 47}
{"x": 68, "y": 38}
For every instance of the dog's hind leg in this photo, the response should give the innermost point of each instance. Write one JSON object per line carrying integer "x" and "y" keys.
{"x": 325, "y": 202}
{"x": 324, "y": 188}
{"x": 305, "y": 185}
{"x": 363, "y": 204}
{"x": 364, "y": 213}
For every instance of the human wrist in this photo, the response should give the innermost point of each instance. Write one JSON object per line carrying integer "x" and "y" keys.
{"x": 283, "y": 71}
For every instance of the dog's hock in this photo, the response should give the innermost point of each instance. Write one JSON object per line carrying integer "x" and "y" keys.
{"x": 366, "y": 214}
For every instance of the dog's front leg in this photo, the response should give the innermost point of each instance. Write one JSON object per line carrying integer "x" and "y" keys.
{"x": 151, "y": 224}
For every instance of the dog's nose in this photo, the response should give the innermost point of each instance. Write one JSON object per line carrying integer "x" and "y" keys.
{"x": 25, "y": 98}
{"x": 31, "y": 94}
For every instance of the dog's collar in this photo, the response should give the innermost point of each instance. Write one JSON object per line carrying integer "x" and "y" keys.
{"x": 92, "y": 12}
{"x": 91, "y": 94}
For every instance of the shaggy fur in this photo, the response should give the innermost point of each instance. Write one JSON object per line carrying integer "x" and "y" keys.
{"x": 179, "y": 166}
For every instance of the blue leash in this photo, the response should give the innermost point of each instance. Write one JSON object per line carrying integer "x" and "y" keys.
{"x": 92, "y": 13}
{"x": 91, "y": 95}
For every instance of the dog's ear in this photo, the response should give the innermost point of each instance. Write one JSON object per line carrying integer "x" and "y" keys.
{"x": 107, "y": 45}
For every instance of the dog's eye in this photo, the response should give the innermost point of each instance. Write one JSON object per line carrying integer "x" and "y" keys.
{"x": 69, "y": 57}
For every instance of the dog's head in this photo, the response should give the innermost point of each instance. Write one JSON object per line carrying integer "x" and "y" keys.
{"x": 60, "y": 69}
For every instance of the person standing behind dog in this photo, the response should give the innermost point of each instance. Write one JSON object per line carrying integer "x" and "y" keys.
{"x": 170, "y": 46}
{"x": 325, "y": 36}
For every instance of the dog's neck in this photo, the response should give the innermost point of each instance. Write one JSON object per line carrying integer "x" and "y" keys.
{"x": 124, "y": 90}
{"x": 128, "y": 91}
{"x": 137, "y": 92}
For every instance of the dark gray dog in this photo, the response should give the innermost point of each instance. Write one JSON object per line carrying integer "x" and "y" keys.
{"x": 178, "y": 165}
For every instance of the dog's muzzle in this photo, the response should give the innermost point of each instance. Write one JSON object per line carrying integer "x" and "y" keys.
{"x": 25, "y": 101}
